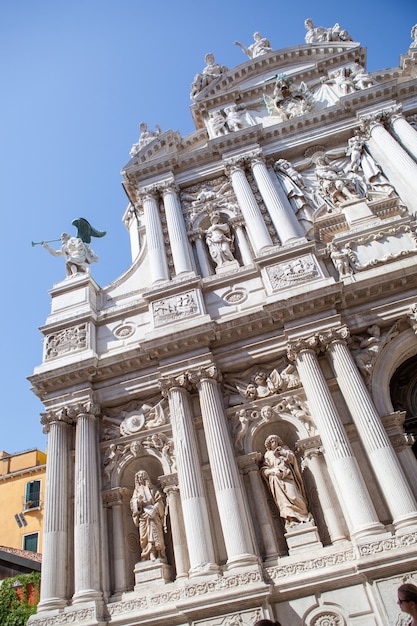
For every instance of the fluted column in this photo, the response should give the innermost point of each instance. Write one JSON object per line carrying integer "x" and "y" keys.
{"x": 313, "y": 458}
{"x": 242, "y": 242}
{"x": 180, "y": 245}
{"x": 250, "y": 466}
{"x": 155, "y": 239}
{"x": 86, "y": 510}
{"x": 387, "y": 469}
{"x": 353, "y": 495}
{"x": 227, "y": 485}
{"x": 405, "y": 132}
{"x": 115, "y": 500}
{"x": 190, "y": 480}
{"x": 396, "y": 163}
{"x": 257, "y": 229}
{"x": 55, "y": 584}
{"x": 281, "y": 212}
{"x": 205, "y": 267}
{"x": 182, "y": 562}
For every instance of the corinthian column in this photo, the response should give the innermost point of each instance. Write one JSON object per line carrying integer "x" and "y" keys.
{"x": 180, "y": 245}
{"x": 155, "y": 239}
{"x": 405, "y": 132}
{"x": 281, "y": 212}
{"x": 387, "y": 469}
{"x": 396, "y": 163}
{"x": 256, "y": 226}
{"x": 54, "y": 589}
{"x": 227, "y": 485}
{"x": 194, "y": 505}
{"x": 86, "y": 509}
{"x": 182, "y": 562}
{"x": 353, "y": 495}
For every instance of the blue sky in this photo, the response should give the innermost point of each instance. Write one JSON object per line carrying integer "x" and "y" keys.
{"x": 78, "y": 77}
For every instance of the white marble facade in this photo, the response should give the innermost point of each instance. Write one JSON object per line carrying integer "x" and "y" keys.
{"x": 230, "y": 423}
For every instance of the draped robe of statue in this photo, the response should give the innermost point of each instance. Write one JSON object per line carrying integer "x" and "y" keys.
{"x": 148, "y": 514}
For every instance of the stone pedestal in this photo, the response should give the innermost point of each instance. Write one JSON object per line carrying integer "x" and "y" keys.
{"x": 151, "y": 572}
{"x": 302, "y": 537}
{"x": 229, "y": 266}
{"x": 357, "y": 212}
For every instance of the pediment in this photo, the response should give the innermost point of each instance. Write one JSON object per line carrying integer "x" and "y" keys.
{"x": 162, "y": 146}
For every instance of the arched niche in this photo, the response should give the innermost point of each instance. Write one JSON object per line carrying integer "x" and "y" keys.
{"x": 394, "y": 354}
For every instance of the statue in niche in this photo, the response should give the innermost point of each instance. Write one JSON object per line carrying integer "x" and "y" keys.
{"x": 148, "y": 514}
{"x": 340, "y": 258}
{"x": 288, "y": 101}
{"x": 296, "y": 190}
{"x": 334, "y": 183}
{"x": 146, "y": 136}
{"x": 240, "y": 428}
{"x": 219, "y": 241}
{"x": 237, "y": 118}
{"x": 260, "y": 46}
{"x": 281, "y": 472}
{"x": 363, "y": 170}
{"x": 354, "y": 151}
{"x": 319, "y": 34}
{"x": 211, "y": 72}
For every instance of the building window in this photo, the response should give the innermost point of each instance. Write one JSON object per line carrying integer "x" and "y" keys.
{"x": 30, "y": 542}
{"x": 32, "y": 495}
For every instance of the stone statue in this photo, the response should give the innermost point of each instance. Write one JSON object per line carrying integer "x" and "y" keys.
{"x": 414, "y": 37}
{"x": 361, "y": 79}
{"x": 341, "y": 80}
{"x": 241, "y": 428}
{"x": 260, "y": 46}
{"x": 296, "y": 190}
{"x": 78, "y": 255}
{"x": 211, "y": 72}
{"x": 148, "y": 512}
{"x": 266, "y": 385}
{"x": 280, "y": 470}
{"x": 318, "y": 34}
{"x": 219, "y": 241}
{"x": 333, "y": 182}
{"x": 146, "y": 136}
{"x": 217, "y": 124}
{"x": 237, "y": 118}
{"x": 354, "y": 150}
{"x": 365, "y": 354}
{"x": 340, "y": 260}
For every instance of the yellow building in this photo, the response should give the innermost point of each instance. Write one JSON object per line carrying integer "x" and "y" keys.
{"x": 22, "y": 488}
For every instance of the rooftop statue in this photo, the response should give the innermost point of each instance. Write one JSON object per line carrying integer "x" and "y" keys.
{"x": 318, "y": 34}
{"x": 414, "y": 37}
{"x": 78, "y": 255}
{"x": 260, "y": 46}
{"x": 211, "y": 72}
{"x": 146, "y": 136}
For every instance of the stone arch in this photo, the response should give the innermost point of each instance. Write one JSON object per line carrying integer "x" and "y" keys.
{"x": 395, "y": 353}
{"x": 280, "y": 423}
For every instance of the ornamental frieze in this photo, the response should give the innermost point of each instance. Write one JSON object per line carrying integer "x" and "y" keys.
{"x": 66, "y": 341}
{"x": 293, "y": 272}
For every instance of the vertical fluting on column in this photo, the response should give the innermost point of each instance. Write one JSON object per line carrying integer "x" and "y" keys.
{"x": 54, "y": 588}
{"x": 182, "y": 562}
{"x": 116, "y": 499}
{"x": 242, "y": 242}
{"x": 155, "y": 239}
{"x": 256, "y": 226}
{"x": 86, "y": 511}
{"x": 227, "y": 485}
{"x": 353, "y": 495}
{"x": 406, "y": 134}
{"x": 314, "y": 458}
{"x": 282, "y": 214}
{"x": 180, "y": 245}
{"x": 203, "y": 262}
{"x": 262, "y": 511}
{"x": 396, "y": 163}
{"x": 190, "y": 480}
{"x": 387, "y": 469}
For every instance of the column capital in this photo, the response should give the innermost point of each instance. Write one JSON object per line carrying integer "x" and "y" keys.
{"x": 68, "y": 414}
{"x": 199, "y": 374}
{"x": 168, "y": 185}
{"x": 379, "y": 117}
{"x": 303, "y": 344}
{"x": 332, "y": 335}
{"x": 151, "y": 192}
{"x": 240, "y": 160}
{"x": 166, "y": 384}
{"x": 113, "y": 497}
